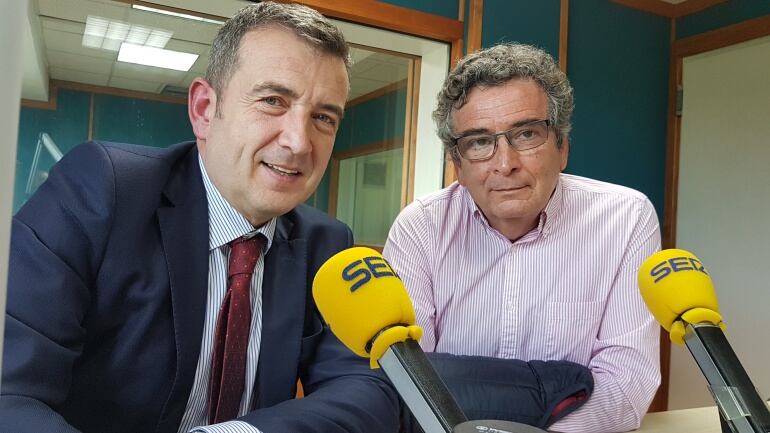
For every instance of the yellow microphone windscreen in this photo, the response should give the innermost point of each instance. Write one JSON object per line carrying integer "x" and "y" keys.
{"x": 675, "y": 286}
{"x": 359, "y": 295}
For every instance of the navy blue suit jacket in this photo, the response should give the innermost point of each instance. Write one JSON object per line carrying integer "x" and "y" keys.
{"x": 107, "y": 298}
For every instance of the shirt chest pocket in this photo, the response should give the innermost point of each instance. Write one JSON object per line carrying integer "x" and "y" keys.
{"x": 572, "y": 328}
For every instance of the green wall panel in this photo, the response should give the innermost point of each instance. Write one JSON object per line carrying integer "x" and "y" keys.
{"x": 67, "y": 126}
{"x": 618, "y": 66}
{"x": 725, "y": 14}
{"x": 445, "y": 8}
{"x": 531, "y": 22}
{"x": 116, "y": 118}
{"x": 149, "y": 123}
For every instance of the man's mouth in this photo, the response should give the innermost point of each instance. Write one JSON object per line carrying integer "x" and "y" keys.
{"x": 511, "y": 188}
{"x": 283, "y": 171}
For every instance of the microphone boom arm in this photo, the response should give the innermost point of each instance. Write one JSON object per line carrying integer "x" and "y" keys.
{"x": 739, "y": 403}
{"x": 421, "y": 388}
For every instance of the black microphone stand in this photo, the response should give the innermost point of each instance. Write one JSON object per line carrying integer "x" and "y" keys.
{"x": 741, "y": 409}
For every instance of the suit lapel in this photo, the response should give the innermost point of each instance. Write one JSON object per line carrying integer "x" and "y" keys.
{"x": 184, "y": 230}
{"x": 284, "y": 291}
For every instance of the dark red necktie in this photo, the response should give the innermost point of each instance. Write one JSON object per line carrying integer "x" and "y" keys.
{"x": 231, "y": 339}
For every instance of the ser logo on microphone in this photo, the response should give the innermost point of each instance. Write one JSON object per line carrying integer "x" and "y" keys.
{"x": 676, "y": 264}
{"x": 362, "y": 271}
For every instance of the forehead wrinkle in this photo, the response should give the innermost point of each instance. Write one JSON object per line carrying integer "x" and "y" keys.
{"x": 511, "y": 125}
{"x": 271, "y": 86}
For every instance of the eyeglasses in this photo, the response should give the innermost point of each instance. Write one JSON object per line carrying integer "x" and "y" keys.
{"x": 479, "y": 147}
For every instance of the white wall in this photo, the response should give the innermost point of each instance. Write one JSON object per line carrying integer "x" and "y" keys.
{"x": 12, "y": 18}
{"x": 34, "y": 80}
{"x": 723, "y": 211}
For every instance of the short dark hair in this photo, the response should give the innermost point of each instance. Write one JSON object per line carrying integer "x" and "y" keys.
{"x": 306, "y": 23}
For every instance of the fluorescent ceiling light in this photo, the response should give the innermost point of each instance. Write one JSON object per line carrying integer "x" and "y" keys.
{"x": 108, "y": 34}
{"x": 177, "y": 14}
{"x": 158, "y": 57}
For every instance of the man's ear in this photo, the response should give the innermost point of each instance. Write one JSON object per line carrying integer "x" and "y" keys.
{"x": 201, "y": 107}
{"x": 457, "y": 167}
{"x": 564, "y": 152}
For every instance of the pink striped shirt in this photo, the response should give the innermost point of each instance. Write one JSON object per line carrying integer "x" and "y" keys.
{"x": 564, "y": 291}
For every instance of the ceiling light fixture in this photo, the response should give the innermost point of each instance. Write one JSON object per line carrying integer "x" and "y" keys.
{"x": 176, "y": 14}
{"x": 107, "y": 34}
{"x": 158, "y": 57}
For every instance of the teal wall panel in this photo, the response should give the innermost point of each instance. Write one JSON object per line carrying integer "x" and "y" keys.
{"x": 618, "y": 66}
{"x": 534, "y": 23}
{"x": 116, "y": 118}
{"x": 149, "y": 123}
{"x": 725, "y": 14}
{"x": 67, "y": 126}
{"x": 445, "y": 8}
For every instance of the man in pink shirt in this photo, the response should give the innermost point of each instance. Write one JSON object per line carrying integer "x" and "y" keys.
{"x": 519, "y": 261}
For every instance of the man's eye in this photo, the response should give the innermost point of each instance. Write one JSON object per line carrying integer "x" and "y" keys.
{"x": 528, "y": 134}
{"x": 326, "y": 119}
{"x": 482, "y": 141}
{"x": 272, "y": 100}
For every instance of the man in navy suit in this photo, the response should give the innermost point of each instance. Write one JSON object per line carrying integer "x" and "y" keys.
{"x": 119, "y": 263}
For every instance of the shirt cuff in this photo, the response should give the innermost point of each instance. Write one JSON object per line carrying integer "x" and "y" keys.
{"x": 227, "y": 427}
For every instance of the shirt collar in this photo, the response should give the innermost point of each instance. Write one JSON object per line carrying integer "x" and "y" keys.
{"x": 226, "y": 223}
{"x": 550, "y": 216}
{"x": 547, "y": 221}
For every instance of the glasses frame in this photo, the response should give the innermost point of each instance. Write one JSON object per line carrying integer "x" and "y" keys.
{"x": 496, "y": 137}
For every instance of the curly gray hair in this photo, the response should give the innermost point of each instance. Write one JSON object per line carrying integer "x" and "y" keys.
{"x": 306, "y": 23}
{"x": 495, "y": 66}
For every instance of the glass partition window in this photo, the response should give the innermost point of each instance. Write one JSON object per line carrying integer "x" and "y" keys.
{"x": 370, "y": 194}
{"x": 364, "y": 185}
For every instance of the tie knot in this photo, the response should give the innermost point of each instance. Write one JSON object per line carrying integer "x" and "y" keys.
{"x": 244, "y": 254}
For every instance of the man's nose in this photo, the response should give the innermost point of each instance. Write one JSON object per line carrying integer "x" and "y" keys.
{"x": 295, "y": 133}
{"x": 506, "y": 159}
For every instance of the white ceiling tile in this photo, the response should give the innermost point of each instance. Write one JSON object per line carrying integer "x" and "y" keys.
{"x": 187, "y": 47}
{"x": 146, "y": 73}
{"x": 202, "y": 63}
{"x": 188, "y": 79}
{"x": 386, "y": 72}
{"x": 359, "y": 54}
{"x": 78, "y": 76}
{"x": 394, "y": 60}
{"x": 56, "y": 40}
{"x": 361, "y": 86}
{"x": 78, "y": 10}
{"x": 79, "y": 62}
{"x": 62, "y": 25}
{"x": 199, "y": 67}
{"x": 185, "y": 29}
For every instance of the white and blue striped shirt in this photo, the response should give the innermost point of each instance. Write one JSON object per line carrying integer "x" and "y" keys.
{"x": 566, "y": 290}
{"x": 225, "y": 225}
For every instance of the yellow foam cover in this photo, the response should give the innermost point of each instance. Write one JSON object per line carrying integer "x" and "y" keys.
{"x": 360, "y": 296}
{"x": 678, "y": 290}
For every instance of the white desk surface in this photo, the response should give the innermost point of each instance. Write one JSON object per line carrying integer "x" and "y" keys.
{"x": 698, "y": 420}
